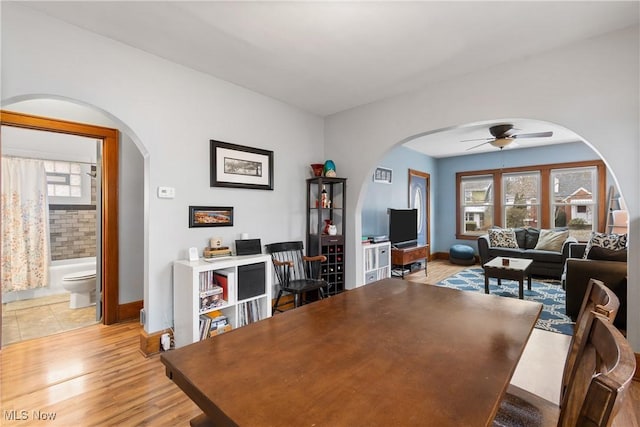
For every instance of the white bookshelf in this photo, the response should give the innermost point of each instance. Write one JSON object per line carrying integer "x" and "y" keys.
{"x": 376, "y": 261}
{"x": 190, "y": 279}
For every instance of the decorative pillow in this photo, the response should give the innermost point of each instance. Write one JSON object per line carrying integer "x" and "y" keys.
{"x": 607, "y": 241}
{"x": 521, "y": 237}
{"x": 531, "y": 239}
{"x": 604, "y": 254}
{"x": 502, "y": 238}
{"x": 550, "y": 240}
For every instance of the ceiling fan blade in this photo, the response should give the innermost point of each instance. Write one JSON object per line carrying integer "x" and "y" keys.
{"x": 479, "y": 145}
{"x": 477, "y": 139}
{"x": 533, "y": 135}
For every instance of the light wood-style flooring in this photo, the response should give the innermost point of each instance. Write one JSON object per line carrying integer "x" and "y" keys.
{"x": 96, "y": 376}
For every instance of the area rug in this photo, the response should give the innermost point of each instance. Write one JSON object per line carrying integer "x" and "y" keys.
{"x": 549, "y": 293}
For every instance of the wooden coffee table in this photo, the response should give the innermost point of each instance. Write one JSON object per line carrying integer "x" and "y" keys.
{"x": 512, "y": 269}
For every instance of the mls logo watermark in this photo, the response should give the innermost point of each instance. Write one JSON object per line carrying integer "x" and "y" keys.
{"x": 24, "y": 415}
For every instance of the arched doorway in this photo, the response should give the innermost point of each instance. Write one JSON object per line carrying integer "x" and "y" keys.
{"x": 443, "y": 171}
{"x": 109, "y": 196}
{"x": 124, "y": 196}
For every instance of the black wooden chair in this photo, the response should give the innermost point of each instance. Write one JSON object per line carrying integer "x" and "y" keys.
{"x": 297, "y": 273}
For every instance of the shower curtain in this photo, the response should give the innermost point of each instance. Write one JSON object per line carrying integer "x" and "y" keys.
{"x": 25, "y": 225}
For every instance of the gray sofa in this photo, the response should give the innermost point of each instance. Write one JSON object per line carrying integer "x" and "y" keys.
{"x": 545, "y": 263}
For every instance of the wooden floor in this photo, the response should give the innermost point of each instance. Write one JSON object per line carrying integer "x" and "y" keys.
{"x": 96, "y": 376}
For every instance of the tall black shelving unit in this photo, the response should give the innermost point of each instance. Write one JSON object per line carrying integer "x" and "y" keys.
{"x": 319, "y": 242}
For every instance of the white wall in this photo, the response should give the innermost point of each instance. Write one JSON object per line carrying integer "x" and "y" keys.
{"x": 174, "y": 112}
{"x": 590, "y": 88}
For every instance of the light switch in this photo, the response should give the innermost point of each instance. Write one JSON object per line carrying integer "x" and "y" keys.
{"x": 166, "y": 192}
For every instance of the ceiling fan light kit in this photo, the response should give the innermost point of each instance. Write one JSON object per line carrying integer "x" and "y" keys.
{"x": 501, "y": 142}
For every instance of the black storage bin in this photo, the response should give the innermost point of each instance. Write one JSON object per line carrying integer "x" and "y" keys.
{"x": 251, "y": 280}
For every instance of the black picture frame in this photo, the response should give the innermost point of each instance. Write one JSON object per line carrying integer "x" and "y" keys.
{"x": 210, "y": 216}
{"x": 238, "y": 166}
{"x": 383, "y": 175}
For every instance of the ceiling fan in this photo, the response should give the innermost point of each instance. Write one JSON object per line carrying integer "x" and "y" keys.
{"x": 504, "y": 134}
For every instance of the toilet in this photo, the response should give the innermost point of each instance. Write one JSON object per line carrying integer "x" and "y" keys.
{"x": 82, "y": 286}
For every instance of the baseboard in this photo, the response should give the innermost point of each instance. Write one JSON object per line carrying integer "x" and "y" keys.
{"x": 129, "y": 311}
{"x": 439, "y": 256}
{"x": 150, "y": 342}
{"x": 445, "y": 256}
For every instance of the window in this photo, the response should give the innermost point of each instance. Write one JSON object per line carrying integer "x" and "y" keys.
{"x": 545, "y": 196}
{"x": 477, "y": 205}
{"x": 575, "y": 192}
{"x": 68, "y": 182}
{"x": 520, "y": 199}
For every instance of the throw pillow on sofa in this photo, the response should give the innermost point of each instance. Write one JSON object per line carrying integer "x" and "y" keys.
{"x": 607, "y": 241}
{"x": 604, "y": 254}
{"x": 502, "y": 238}
{"x": 551, "y": 240}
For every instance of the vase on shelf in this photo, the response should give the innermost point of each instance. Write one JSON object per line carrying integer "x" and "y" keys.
{"x": 317, "y": 168}
{"x": 329, "y": 168}
{"x": 327, "y": 225}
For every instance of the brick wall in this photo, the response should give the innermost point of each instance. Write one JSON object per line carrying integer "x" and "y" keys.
{"x": 72, "y": 229}
{"x": 73, "y": 233}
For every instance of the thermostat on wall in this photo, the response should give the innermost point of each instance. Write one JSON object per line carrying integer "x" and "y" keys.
{"x": 166, "y": 192}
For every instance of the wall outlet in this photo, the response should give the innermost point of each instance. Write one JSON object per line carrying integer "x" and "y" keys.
{"x": 165, "y": 341}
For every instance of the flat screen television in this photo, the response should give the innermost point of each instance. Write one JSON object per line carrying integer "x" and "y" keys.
{"x": 403, "y": 227}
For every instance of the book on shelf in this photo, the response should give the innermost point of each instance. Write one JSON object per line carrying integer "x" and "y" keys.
{"x": 218, "y": 279}
{"x": 211, "y": 298}
{"x": 221, "y": 279}
{"x": 216, "y": 252}
{"x": 213, "y": 323}
{"x": 249, "y": 312}
{"x": 205, "y": 325}
{"x": 221, "y": 330}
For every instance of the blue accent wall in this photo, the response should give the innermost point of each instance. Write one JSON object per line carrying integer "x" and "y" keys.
{"x": 380, "y": 197}
{"x": 445, "y": 208}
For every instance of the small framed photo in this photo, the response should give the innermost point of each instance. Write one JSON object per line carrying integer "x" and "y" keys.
{"x": 383, "y": 175}
{"x": 238, "y": 166}
{"x": 206, "y": 216}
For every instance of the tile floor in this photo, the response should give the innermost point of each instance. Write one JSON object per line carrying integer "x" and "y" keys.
{"x": 38, "y": 317}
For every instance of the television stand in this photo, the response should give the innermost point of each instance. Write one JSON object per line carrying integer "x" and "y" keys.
{"x": 407, "y": 256}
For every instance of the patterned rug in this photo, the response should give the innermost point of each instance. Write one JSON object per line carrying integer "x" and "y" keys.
{"x": 549, "y": 293}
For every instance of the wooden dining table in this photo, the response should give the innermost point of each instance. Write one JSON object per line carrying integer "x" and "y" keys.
{"x": 391, "y": 353}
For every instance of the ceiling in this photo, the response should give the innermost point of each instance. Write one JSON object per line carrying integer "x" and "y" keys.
{"x": 327, "y": 57}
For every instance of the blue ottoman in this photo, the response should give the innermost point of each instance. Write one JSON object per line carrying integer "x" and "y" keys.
{"x": 462, "y": 255}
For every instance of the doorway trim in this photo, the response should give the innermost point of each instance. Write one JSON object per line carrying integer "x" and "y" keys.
{"x": 109, "y": 186}
{"x": 416, "y": 174}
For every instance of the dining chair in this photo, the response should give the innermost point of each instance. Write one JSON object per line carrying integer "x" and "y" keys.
{"x": 296, "y": 272}
{"x": 600, "y": 299}
{"x": 598, "y": 392}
